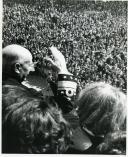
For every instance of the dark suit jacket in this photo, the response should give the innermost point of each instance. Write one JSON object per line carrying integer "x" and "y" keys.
{"x": 16, "y": 96}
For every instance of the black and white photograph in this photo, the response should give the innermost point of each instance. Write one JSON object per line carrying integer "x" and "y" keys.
{"x": 64, "y": 77}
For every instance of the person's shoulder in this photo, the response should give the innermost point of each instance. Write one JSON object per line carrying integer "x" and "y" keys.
{"x": 19, "y": 95}
{"x": 9, "y": 86}
{"x": 12, "y": 90}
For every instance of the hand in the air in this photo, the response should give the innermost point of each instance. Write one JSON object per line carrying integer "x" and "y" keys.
{"x": 58, "y": 63}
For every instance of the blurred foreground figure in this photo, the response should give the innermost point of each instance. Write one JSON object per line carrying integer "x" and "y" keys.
{"x": 102, "y": 113}
{"x": 30, "y": 123}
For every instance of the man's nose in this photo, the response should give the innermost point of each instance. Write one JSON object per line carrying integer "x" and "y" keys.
{"x": 32, "y": 68}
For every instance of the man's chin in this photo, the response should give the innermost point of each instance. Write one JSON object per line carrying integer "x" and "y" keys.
{"x": 24, "y": 79}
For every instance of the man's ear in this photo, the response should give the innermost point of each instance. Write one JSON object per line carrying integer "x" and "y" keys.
{"x": 17, "y": 68}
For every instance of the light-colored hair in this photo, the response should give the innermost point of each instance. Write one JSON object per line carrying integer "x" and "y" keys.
{"x": 102, "y": 111}
{"x": 102, "y": 108}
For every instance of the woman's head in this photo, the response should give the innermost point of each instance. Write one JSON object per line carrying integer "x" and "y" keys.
{"x": 102, "y": 109}
{"x": 36, "y": 128}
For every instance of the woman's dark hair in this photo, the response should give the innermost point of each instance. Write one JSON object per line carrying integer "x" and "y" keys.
{"x": 34, "y": 127}
{"x": 102, "y": 110}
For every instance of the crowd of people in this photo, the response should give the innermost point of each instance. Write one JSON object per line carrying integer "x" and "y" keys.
{"x": 33, "y": 123}
{"x": 93, "y": 42}
{"x": 92, "y": 39}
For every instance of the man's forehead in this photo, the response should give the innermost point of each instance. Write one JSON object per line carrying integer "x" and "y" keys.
{"x": 26, "y": 58}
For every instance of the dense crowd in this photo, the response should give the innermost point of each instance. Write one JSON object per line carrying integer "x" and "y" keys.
{"x": 93, "y": 42}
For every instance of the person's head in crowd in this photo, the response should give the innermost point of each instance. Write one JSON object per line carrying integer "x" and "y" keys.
{"x": 34, "y": 128}
{"x": 102, "y": 113}
{"x": 17, "y": 62}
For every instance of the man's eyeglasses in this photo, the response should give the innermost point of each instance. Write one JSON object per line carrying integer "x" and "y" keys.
{"x": 89, "y": 132}
{"x": 33, "y": 64}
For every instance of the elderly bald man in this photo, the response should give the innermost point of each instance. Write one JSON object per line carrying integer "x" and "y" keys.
{"x": 17, "y": 64}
